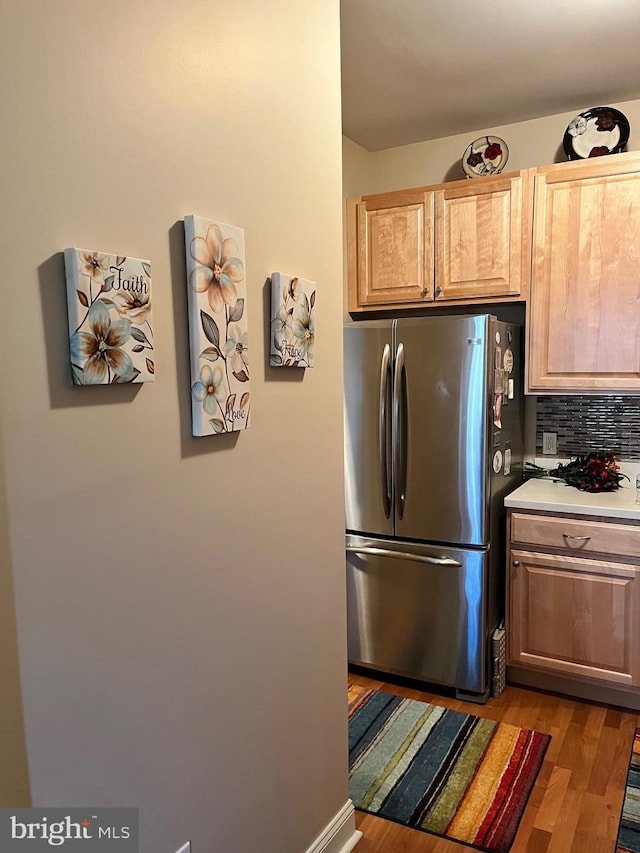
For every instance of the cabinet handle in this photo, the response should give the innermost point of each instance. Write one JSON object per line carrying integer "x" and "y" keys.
{"x": 515, "y": 564}
{"x": 438, "y": 291}
{"x": 581, "y": 539}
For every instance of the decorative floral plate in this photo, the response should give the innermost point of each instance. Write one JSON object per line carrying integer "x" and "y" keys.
{"x": 598, "y": 131}
{"x": 486, "y": 155}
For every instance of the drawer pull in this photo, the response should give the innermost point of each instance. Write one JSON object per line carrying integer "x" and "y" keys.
{"x": 515, "y": 564}
{"x": 581, "y": 539}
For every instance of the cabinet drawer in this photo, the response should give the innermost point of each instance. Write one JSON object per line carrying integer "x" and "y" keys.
{"x": 576, "y": 536}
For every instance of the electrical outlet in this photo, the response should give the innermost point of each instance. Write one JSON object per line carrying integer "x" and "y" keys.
{"x": 186, "y": 848}
{"x": 549, "y": 448}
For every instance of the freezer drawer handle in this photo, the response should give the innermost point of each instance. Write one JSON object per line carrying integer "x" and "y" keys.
{"x": 403, "y": 555}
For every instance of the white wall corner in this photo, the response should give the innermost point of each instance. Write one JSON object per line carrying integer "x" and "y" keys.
{"x": 340, "y": 835}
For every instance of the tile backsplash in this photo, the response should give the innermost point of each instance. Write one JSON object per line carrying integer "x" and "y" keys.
{"x": 590, "y": 423}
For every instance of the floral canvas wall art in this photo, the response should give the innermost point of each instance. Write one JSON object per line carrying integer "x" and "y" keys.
{"x": 218, "y": 333}
{"x": 293, "y": 321}
{"x": 110, "y": 322}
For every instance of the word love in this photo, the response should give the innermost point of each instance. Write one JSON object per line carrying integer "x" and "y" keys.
{"x": 135, "y": 284}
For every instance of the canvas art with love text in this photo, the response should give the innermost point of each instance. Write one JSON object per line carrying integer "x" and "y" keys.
{"x": 218, "y": 334}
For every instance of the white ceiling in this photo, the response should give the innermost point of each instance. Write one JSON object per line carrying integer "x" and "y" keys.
{"x": 421, "y": 69}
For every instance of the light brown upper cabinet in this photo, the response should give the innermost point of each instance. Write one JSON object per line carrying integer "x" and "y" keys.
{"x": 482, "y": 238}
{"x": 390, "y": 249}
{"x": 584, "y": 326}
{"x": 466, "y": 241}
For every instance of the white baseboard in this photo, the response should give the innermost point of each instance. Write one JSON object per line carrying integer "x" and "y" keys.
{"x": 340, "y": 835}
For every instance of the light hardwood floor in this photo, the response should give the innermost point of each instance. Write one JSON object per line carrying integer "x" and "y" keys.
{"x": 576, "y": 802}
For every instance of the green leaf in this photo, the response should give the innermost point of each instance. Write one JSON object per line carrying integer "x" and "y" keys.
{"x": 138, "y": 335}
{"x": 137, "y": 348}
{"x": 77, "y": 374}
{"x": 217, "y": 425}
{"x": 108, "y": 302}
{"x": 313, "y": 299}
{"x": 131, "y": 377}
{"x": 275, "y": 360}
{"x": 108, "y": 284}
{"x": 237, "y": 311}
{"x": 120, "y": 261}
{"x": 147, "y": 269}
{"x": 210, "y": 329}
{"x": 210, "y": 354}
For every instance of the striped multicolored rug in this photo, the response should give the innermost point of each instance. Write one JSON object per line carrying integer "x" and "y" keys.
{"x": 629, "y": 831}
{"x": 442, "y": 771}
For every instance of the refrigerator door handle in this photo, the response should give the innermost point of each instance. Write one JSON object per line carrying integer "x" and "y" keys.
{"x": 385, "y": 387}
{"x": 400, "y": 430}
{"x": 403, "y": 555}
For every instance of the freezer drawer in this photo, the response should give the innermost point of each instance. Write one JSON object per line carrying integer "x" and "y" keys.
{"x": 419, "y": 611}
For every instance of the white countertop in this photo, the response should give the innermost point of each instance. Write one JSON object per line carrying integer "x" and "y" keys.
{"x": 550, "y": 496}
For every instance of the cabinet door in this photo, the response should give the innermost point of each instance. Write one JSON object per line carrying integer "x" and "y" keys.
{"x": 584, "y": 331}
{"x": 395, "y": 261}
{"x": 482, "y": 238}
{"x": 574, "y": 616}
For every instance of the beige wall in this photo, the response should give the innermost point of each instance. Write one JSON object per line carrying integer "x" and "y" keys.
{"x": 14, "y": 777}
{"x": 179, "y": 601}
{"x": 531, "y": 143}
{"x": 356, "y": 180}
{"x": 357, "y": 168}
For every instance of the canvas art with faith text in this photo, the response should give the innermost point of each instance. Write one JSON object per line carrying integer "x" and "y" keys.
{"x": 218, "y": 334}
{"x": 110, "y": 322}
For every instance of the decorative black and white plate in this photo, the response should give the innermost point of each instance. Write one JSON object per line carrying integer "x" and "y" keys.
{"x": 486, "y": 155}
{"x": 598, "y": 131}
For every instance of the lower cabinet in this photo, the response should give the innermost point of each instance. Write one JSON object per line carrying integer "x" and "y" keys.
{"x": 573, "y": 602}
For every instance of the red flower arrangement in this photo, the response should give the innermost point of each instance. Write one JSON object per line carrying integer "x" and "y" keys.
{"x": 596, "y": 471}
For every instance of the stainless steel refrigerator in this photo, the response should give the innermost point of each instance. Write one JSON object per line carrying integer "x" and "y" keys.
{"x": 433, "y": 443}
